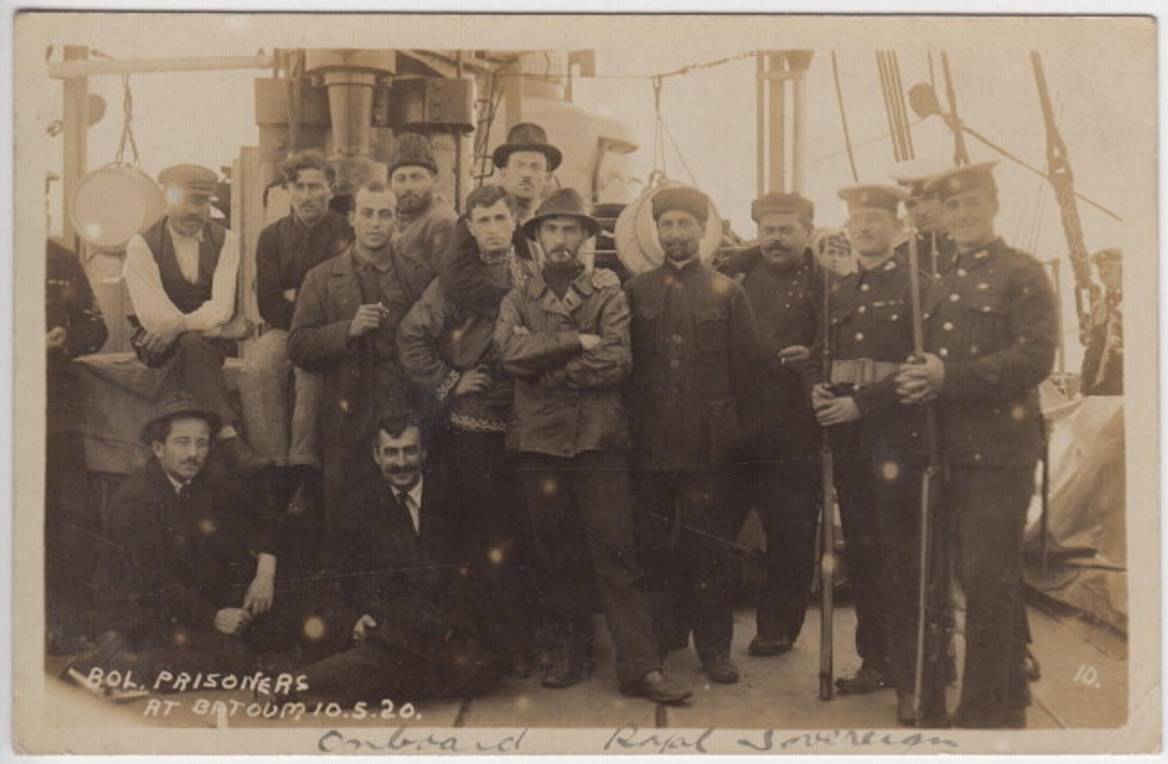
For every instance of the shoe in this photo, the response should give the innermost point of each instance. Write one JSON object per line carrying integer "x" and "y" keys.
{"x": 764, "y": 647}
{"x": 520, "y": 667}
{"x": 1031, "y": 668}
{"x": 864, "y": 681}
{"x": 1015, "y": 718}
{"x": 721, "y": 669}
{"x": 951, "y": 670}
{"x": 563, "y": 672}
{"x": 109, "y": 651}
{"x": 906, "y": 709}
{"x": 241, "y": 457}
{"x": 658, "y": 688}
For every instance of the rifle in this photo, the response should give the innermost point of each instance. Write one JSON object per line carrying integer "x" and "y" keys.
{"x": 930, "y": 479}
{"x": 827, "y": 518}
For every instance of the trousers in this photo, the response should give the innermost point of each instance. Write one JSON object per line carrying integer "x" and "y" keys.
{"x": 685, "y": 546}
{"x": 582, "y": 523}
{"x": 280, "y": 403}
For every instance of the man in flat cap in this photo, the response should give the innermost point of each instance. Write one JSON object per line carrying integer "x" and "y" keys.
{"x": 990, "y": 336}
{"x": 877, "y": 445}
{"x": 779, "y": 478}
{"x": 564, "y": 338}
{"x": 935, "y": 247}
{"x": 181, "y": 276}
{"x": 694, "y": 353}
{"x": 1103, "y": 361}
{"x": 280, "y": 401}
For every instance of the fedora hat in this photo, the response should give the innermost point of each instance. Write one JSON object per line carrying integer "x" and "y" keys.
{"x": 527, "y": 136}
{"x": 177, "y": 405}
{"x": 566, "y": 202}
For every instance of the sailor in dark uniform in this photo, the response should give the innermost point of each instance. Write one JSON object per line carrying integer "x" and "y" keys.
{"x": 991, "y": 332}
{"x": 877, "y": 442}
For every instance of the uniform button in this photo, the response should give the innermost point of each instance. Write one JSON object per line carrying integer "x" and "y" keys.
{"x": 894, "y": 316}
{"x": 862, "y": 309}
{"x": 983, "y": 286}
{"x": 973, "y": 349}
{"x": 954, "y": 297}
{"x": 865, "y": 287}
{"x": 943, "y": 352}
{"x": 962, "y": 272}
{"x": 674, "y": 363}
{"x": 977, "y": 457}
{"x": 859, "y": 336}
{"x": 985, "y": 308}
{"x": 676, "y": 338}
{"x": 947, "y": 326}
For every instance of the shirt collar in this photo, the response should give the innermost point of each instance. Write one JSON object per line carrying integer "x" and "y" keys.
{"x": 178, "y": 485}
{"x": 361, "y": 263}
{"x": 497, "y": 259}
{"x": 177, "y": 236}
{"x": 414, "y": 493}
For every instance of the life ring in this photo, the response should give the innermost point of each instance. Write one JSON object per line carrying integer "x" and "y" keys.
{"x": 113, "y": 203}
{"x": 636, "y": 233}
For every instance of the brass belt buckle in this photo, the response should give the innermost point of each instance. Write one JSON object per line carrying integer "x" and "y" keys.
{"x": 867, "y": 372}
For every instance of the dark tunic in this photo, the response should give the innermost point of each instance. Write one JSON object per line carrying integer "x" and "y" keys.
{"x": 287, "y": 250}
{"x": 936, "y": 253}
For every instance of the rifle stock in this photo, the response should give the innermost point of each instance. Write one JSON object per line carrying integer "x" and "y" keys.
{"x": 827, "y": 520}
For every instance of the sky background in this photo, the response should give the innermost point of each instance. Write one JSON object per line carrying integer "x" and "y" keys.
{"x": 1100, "y": 73}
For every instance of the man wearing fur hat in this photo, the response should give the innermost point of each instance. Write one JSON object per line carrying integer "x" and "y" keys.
{"x": 694, "y": 351}
{"x": 564, "y": 337}
{"x": 780, "y": 477}
{"x": 181, "y": 275}
{"x": 424, "y": 222}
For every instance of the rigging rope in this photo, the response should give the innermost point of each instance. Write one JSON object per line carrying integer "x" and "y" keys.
{"x": 839, "y": 95}
{"x": 127, "y": 124}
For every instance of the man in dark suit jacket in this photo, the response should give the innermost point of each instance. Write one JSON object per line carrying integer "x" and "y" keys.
{"x": 399, "y": 559}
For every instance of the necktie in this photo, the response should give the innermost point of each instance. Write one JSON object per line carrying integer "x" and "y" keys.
{"x": 411, "y": 506}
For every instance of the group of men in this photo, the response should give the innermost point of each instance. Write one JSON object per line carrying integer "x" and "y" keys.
{"x": 476, "y": 436}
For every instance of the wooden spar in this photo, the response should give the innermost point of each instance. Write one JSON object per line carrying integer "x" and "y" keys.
{"x": 760, "y": 115}
{"x": 960, "y": 153}
{"x": 75, "y": 119}
{"x": 1062, "y": 179}
{"x": 778, "y": 125}
{"x": 70, "y": 69}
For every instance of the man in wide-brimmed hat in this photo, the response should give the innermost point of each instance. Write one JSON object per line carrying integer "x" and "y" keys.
{"x": 695, "y": 352}
{"x": 526, "y": 161}
{"x": 181, "y": 277}
{"x": 188, "y": 578}
{"x": 564, "y": 337}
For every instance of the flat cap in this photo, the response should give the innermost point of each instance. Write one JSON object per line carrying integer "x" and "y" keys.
{"x": 962, "y": 179}
{"x": 682, "y": 198}
{"x": 914, "y": 174}
{"x": 189, "y": 178}
{"x": 872, "y": 195}
{"x": 779, "y": 202}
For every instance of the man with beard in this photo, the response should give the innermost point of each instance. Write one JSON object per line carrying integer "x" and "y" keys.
{"x": 991, "y": 333}
{"x": 694, "y": 351}
{"x": 565, "y": 339}
{"x": 181, "y": 277}
{"x": 451, "y": 352}
{"x": 407, "y": 611}
{"x": 878, "y": 447}
{"x": 344, "y": 327}
{"x": 779, "y": 476}
{"x": 280, "y": 402}
{"x": 935, "y": 248}
{"x": 424, "y": 224}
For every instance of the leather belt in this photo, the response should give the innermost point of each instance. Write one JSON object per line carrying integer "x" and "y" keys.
{"x": 861, "y": 371}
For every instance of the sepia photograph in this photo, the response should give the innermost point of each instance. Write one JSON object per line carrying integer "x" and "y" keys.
{"x": 598, "y": 384}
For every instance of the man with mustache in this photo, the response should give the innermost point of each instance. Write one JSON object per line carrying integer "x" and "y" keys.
{"x": 181, "y": 277}
{"x": 280, "y": 402}
{"x": 451, "y": 352}
{"x": 779, "y": 477}
{"x": 344, "y": 327}
{"x": 564, "y": 337}
{"x": 878, "y": 447}
{"x": 407, "y": 612}
{"x": 694, "y": 353}
{"x": 186, "y": 577}
{"x": 991, "y": 333}
{"x": 936, "y": 249}
{"x": 424, "y": 222}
